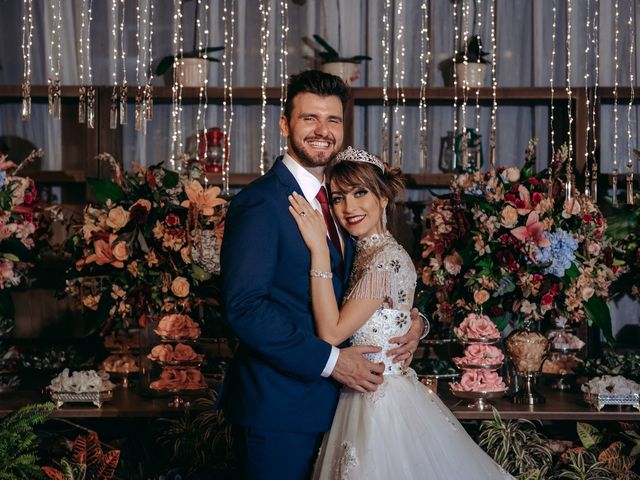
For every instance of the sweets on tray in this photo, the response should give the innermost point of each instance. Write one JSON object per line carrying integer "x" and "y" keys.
{"x": 81, "y": 381}
{"x": 560, "y": 364}
{"x": 176, "y": 379}
{"x": 564, "y": 340}
{"x": 610, "y": 385}
{"x": 479, "y": 381}
{"x": 176, "y": 325}
{"x": 168, "y": 353}
{"x": 478, "y": 354}
{"x": 477, "y": 327}
{"x": 120, "y": 363}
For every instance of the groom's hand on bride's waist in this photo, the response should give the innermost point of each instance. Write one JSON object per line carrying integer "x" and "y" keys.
{"x": 355, "y": 371}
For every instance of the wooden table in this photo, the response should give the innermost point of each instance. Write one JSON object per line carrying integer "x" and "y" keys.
{"x": 128, "y": 403}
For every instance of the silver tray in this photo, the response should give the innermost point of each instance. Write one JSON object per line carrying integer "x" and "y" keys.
{"x": 484, "y": 366}
{"x": 601, "y": 401}
{"x": 97, "y": 398}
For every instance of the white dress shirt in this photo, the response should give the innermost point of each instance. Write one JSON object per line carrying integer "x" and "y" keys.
{"x": 310, "y": 187}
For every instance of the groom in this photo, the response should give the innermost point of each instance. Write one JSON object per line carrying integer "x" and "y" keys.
{"x": 281, "y": 389}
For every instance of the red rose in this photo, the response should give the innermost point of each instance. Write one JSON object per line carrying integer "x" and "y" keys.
{"x": 510, "y": 197}
{"x": 172, "y": 220}
{"x": 556, "y": 288}
{"x": 547, "y": 299}
{"x": 139, "y": 214}
{"x": 536, "y": 198}
{"x": 520, "y": 203}
{"x": 534, "y": 181}
{"x": 600, "y": 221}
{"x": 537, "y": 277}
{"x": 587, "y": 218}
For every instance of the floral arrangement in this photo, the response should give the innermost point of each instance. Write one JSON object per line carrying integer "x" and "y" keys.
{"x": 624, "y": 228}
{"x": 508, "y": 243}
{"x": 149, "y": 244}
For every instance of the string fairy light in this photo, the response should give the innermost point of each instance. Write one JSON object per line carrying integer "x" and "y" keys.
{"x": 399, "y": 73}
{"x": 552, "y": 107}
{"x": 284, "y": 76}
{"x": 587, "y": 49}
{"x": 568, "y": 186}
{"x": 123, "y": 58}
{"x": 386, "y": 58}
{"x": 27, "y": 43}
{"x": 202, "y": 89}
{"x": 478, "y": 14}
{"x": 82, "y": 94}
{"x": 456, "y": 40}
{"x": 55, "y": 60}
{"x": 425, "y": 55}
{"x": 144, "y": 32}
{"x": 629, "y": 176}
{"x": 113, "y": 108}
{"x": 265, "y": 11}
{"x": 616, "y": 30}
{"x": 148, "y": 72}
{"x": 596, "y": 51}
{"x": 464, "y": 142}
{"x": 494, "y": 87}
{"x": 229, "y": 38}
{"x": 176, "y": 87}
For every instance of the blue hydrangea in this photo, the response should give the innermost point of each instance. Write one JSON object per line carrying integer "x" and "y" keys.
{"x": 3, "y": 178}
{"x": 559, "y": 255}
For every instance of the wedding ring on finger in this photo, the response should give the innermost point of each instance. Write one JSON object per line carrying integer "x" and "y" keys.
{"x": 303, "y": 213}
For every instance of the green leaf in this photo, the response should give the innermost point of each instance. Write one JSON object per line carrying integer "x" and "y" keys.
{"x": 105, "y": 190}
{"x": 589, "y": 435}
{"x": 572, "y": 271}
{"x": 200, "y": 274}
{"x": 502, "y": 321}
{"x": 332, "y": 52}
{"x": 598, "y": 314}
{"x": 170, "y": 179}
{"x": 164, "y": 65}
{"x": 11, "y": 256}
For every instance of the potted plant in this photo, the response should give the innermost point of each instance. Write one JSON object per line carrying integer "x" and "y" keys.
{"x": 332, "y": 62}
{"x": 473, "y": 72}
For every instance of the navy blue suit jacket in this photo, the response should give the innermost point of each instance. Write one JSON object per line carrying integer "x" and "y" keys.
{"x": 274, "y": 381}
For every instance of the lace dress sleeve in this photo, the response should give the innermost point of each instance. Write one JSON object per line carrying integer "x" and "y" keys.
{"x": 375, "y": 283}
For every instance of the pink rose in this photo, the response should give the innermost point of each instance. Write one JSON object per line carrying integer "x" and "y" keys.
{"x": 453, "y": 263}
{"x": 480, "y": 354}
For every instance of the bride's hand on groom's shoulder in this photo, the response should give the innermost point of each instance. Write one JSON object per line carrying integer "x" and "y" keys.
{"x": 356, "y": 372}
{"x": 310, "y": 222}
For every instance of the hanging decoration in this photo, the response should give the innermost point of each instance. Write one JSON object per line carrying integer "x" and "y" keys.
{"x": 176, "y": 88}
{"x": 386, "y": 58}
{"x": 478, "y": 16}
{"x": 229, "y": 38}
{"x": 148, "y": 73}
{"x": 456, "y": 43}
{"x": 123, "y": 59}
{"x": 464, "y": 140}
{"x": 27, "y": 43}
{"x": 595, "y": 41}
{"x": 629, "y": 176}
{"x": 265, "y": 12}
{"x": 494, "y": 88}
{"x": 144, "y": 42}
{"x": 588, "y": 106}
{"x": 200, "y": 32}
{"x": 87, "y": 92}
{"x": 568, "y": 186}
{"x": 425, "y": 55}
{"x": 284, "y": 75}
{"x": 615, "y": 171}
{"x": 113, "y": 106}
{"x": 552, "y": 105}
{"x": 400, "y": 103}
{"x": 55, "y": 60}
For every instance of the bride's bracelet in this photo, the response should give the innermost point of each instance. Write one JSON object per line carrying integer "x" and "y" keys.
{"x": 320, "y": 274}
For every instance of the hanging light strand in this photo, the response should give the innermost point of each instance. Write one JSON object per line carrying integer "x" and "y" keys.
{"x": 456, "y": 40}
{"x": 148, "y": 88}
{"x": 55, "y": 60}
{"x": 284, "y": 76}
{"x": 399, "y": 72}
{"x": 464, "y": 142}
{"x": 630, "y": 155}
{"x": 203, "y": 31}
{"x": 123, "y": 59}
{"x": 554, "y": 27}
{"x": 616, "y": 20}
{"x": 425, "y": 55}
{"x": 228, "y": 115}
{"x": 494, "y": 87}
{"x": 176, "y": 88}
{"x": 587, "y": 49}
{"x": 478, "y": 13}
{"x": 596, "y": 51}
{"x": 27, "y": 43}
{"x": 569, "y": 170}
{"x": 113, "y": 110}
{"x": 265, "y": 11}
{"x": 386, "y": 59}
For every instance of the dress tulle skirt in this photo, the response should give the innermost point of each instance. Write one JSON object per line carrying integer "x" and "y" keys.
{"x": 403, "y": 431}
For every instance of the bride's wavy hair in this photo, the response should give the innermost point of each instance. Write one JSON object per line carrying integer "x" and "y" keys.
{"x": 383, "y": 184}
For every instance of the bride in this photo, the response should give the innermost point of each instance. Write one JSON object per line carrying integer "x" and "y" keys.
{"x": 402, "y": 430}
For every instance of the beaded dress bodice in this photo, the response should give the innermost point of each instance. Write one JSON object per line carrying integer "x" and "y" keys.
{"x": 383, "y": 269}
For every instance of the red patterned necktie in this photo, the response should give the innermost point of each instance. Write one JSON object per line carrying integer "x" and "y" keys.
{"x": 328, "y": 219}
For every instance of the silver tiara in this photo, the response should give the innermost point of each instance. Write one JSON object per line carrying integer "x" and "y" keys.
{"x": 351, "y": 154}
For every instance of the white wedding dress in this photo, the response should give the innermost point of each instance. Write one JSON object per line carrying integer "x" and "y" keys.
{"x": 403, "y": 430}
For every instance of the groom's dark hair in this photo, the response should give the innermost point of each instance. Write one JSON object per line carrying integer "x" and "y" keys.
{"x": 318, "y": 83}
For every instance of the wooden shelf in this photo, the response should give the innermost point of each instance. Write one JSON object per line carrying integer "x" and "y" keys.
{"x": 57, "y": 177}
